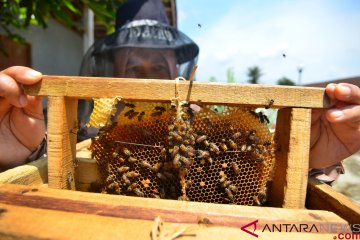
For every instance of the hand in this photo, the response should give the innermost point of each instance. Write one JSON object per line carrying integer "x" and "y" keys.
{"x": 22, "y": 125}
{"x": 335, "y": 132}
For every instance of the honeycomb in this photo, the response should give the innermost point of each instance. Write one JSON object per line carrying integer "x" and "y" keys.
{"x": 203, "y": 153}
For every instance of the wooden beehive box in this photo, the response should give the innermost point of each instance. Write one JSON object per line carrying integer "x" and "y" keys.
{"x": 70, "y": 166}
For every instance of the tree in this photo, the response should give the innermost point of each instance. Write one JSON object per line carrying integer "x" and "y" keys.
{"x": 20, "y": 14}
{"x": 285, "y": 81}
{"x": 230, "y": 75}
{"x": 254, "y": 74}
{"x": 212, "y": 79}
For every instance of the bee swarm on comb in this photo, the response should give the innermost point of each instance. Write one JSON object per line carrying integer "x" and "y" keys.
{"x": 175, "y": 152}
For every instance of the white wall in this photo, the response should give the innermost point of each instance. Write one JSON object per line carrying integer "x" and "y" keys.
{"x": 56, "y": 50}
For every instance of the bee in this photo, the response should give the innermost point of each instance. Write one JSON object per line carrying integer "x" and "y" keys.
{"x": 208, "y": 122}
{"x": 121, "y": 160}
{"x": 267, "y": 143}
{"x": 210, "y": 160}
{"x": 188, "y": 183}
{"x": 163, "y": 152}
{"x": 260, "y": 199}
{"x": 141, "y": 115}
{"x": 132, "y": 159}
{"x": 115, "y": 154}
{"x": 233, "y": 188}
{"x": 112, "y": 185}
{"x": 190, "y": 151}
{"x": 132, "y": 174}
{"x": 236, "y": 168}
{"x": 153, "y": 195}
{"x": 257, "y": 200}
{"x": 186, "y": 161}
{"x": 199, "y": 25}
{"x": 201, "y": 139}
{"x": 127, "y": 152}
{"x": 225, "y": 184}
{"x": 123, "y": 169}
{"x": 129, "y": 112}
{"x": 132, "y": 187}
{"x": 146, "y": 164}
{"x": 243, "y": 148}
{"x": 130, "y": 105}
{"x": 125, "y": 179}
{"x": 183, "y": 148}
{"x": 262, "y": 161}
{"x": 159, "y": 108}
{"x": 232, "y": 144}
{"x": 176, "y": 161}
{"x": 263, "y": 118}
{"x": 252, "y": 135}
{"x": 174, "y": 151}
{"x": 214, "y": 148}
{"x": 205, "y": 221}
{"x": 223, "y": 145}
{"x": 138, "y": 192}
{"x": 203, "y": 154}
{"x": 269, "y": 105}
{"x": 229, "y": 194}
{"x": 156, "y": 114}
{"x": 171, "y": 127}
{"x": 248, "y": 148}
{"x": 236, "y": 135}
{"x": 183, "y": 198}
{"x": 110, "y": 178}
{"x": 222, "y": 179}
{"x": 156, "y": 167}
{"x": 132, "y": 115}
{"x": 176, "y": 136}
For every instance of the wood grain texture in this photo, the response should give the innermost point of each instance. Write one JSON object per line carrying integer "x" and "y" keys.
{"x": 149, "y": 209}
{"x": 292, "y": 137}
{"x": 62, "y": 132}
{"x": 164, "y": 90}
{"x": 322, "y": 196}
{"x": 34, "y": 173}
{"x": 42, "y": 224}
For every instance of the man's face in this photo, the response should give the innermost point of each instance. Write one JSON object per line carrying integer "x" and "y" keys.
{"x": 146, "y": 63}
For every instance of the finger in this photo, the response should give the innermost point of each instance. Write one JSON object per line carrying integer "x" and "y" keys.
{"x": 330, "y": 89}
{"x": 34, "y": 107}
{"x": 23, "y": 75}
{"x": 12, "y": 91}
{"x": 347, "y": 93}
{"x": 349, "y": 113}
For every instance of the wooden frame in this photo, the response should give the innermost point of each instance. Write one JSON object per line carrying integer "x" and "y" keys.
{"x": 292, "y": 136}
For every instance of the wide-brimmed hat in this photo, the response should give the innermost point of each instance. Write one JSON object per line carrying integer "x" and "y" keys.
{"x": 143, "y": 23}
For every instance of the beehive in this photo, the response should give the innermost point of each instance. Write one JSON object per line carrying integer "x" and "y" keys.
{"x": 291, "y": 137}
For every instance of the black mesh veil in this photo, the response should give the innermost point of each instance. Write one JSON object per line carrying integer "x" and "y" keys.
{"x": 143, "y": 33}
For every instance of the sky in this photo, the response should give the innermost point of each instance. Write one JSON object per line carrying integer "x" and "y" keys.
{"x": 322, "y": 37}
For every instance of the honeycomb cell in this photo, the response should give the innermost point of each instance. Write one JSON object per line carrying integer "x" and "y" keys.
{"x": 167, "y": 150}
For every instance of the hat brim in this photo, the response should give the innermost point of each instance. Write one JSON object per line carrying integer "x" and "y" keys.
{"x": 150, "y": 34}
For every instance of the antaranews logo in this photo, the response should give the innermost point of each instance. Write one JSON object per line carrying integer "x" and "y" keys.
{"x": 342, "y": 231}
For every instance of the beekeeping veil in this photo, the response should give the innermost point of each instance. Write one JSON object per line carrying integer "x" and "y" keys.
{"x": 140, "y": 24}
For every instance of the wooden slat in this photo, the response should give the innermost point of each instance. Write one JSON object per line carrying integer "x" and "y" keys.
{"x": 292, "y": 158}
{"x": 164, "y": 90}
{"x": 19, "y": 222}
{"x": 62, "y": 130}
{"x": 322, "y": 196}
{"x": 168, "y": 210}
{"x": 34, "y": 173}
